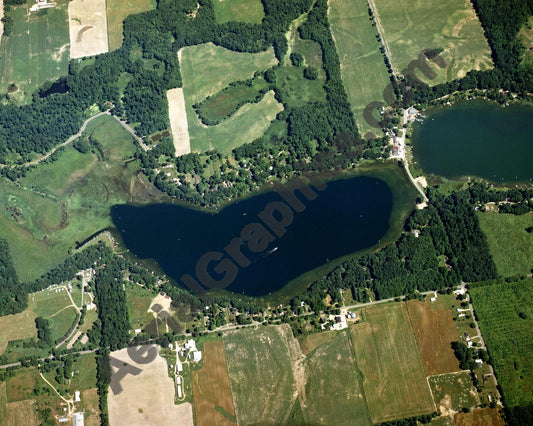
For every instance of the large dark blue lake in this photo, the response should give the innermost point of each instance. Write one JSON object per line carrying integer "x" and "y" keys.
{"x": 477, "y": 138}
{"x": 349, "y": 215}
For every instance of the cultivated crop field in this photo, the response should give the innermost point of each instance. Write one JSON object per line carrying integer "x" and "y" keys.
{"x": 453, "y": 391}
{"x": 435, "y": 331}
{"x": 250, "y": 11}
{"x": 87, "y": 28}
{"x": 511, "y": 246}
{"x": 333, "y": 392}
{"x": 69, "y": 199}
{"x": 35, "y": 52}
{"x": 483, "y": 416}
{"x": 387, "y": 355}
{"x": 362, "y": 66}
{"x": 206, "y": 70}
{"x": 117, "y": 11}
{"x": 213, "y": 404}
{"x": 506, "y": 320}
{"x": 15, "y": 327}
{"x": 262, "y": 381}
{"x": 411, "y": 27}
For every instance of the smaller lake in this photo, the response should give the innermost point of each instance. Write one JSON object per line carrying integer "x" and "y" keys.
{"x": 349, "y": 215}
{"x": 477, "y": 138}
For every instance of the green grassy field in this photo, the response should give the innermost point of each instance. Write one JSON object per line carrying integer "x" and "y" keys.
{"x": 333, "y": 394}
{"x": 68, "y": 200}
{"x": 117, "y": 11}
{"x": 262, "y": 381}
{"x": 362, "y": 67}
{"x": 511, "y": 246}
{"x": 505, "y": 316}
{"x": 526, "y": 36}
{"x": 139, "y": 300}
{"x": 206, "y": 70}
{"x": 35, "y": 52}
{"x": 453, "y": 391}
{"x": 296, "y": 89}
{"x": 387, "y": 356}
{"x": 411, "y": 27}
{"x": 250, "y": 11}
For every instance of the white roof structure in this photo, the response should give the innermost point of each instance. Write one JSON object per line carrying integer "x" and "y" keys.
{"x": 77, "y": 396}
{"x": 197, "y": 356}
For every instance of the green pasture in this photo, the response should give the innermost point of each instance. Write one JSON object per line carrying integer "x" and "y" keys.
{"x": 36, "y": 51}
{"x": 296, "y": 89}
{"x": 250, "y": 11}
{"x": 48, "y": 302}
{"x": 206, "y": 69}
{"x": 505, "y": 316}
{"x": 117, "y": 11}
{"x": 84, "y": 368}
{"x": 387, "y": 355}
{"x": 139, "y": 300}
{"x": 454, "y": 390}
{"x": 511, "y": 246}
{"x": 411, "y": 27}
{"x": 363, "y": 69}
{"x": 261, "y": 381}
{"x": 333, "y": 391}
{"x": 61, "y": 323}
{"x": 65, "y": 201}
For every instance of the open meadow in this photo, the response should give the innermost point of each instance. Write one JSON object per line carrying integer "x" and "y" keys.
{"x": 453, "y": 392}
{"x": 505, "y": 316}
{"x": 37, "y": 51}
{"x": 333, "y": 389}
{"x": 17, "y": 327}
{"x": 363, "y": 69}
{"x": 250, "y": 11}
{"x": 409, "y": 28}
{"x": 67, "y": 200}
{"x": 511, "y": 246}
{"x": 435, "y": 331}
{"x": 117, "y": 11}
{"x": 526, "y": 36}
{"x": 387, "y": 356}
{"x": 213, "y": 404}
{"x": 262, "y": 381}
{"x": 206, "y": 70}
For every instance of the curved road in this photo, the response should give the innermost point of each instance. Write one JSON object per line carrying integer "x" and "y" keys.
{"x": 77, "y": 135}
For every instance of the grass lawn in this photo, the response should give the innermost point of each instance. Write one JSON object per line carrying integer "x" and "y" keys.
{"x": 333, "y": 392}
{"x": 117, "y": 11}
{"x": 206, "y": 70}
{"x": 250, "y": 11}
{"x": 16, "y": 327}
{"x": 262, "y": 381}
{"x": 67, "y": 200}
{"x": 453, "y": 391}
{"x": 387, "y": 355}
{"x": 411, "y": 27}
{"x": 363, "y": 69}
{"x": 526, "y": 35}
{"x": 36, "y": 51}
{"x": 60, "y": 323}
{"x": 84, "y": 369}
{"x": 139, "y": 300}
{"x": 505, "y": 316}
{"x": 511, "y": 246}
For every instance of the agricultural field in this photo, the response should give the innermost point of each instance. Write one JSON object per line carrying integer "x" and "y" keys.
{"x": 453, "y": 392}
{"x": 17, "y": 327}
{"x": 409, "y": 28}
{"x": 435, "y": 331}
{"x": 511, "y": 246}
{"x": 262, "y": 381}
{"x": 250, "y": 11}
{"x": 206, "y": 71}
{"x": 333, "y": 392}
{"x": 147, "y": 398}
{"x": 387, "y": 355}
{"x": 213, "y": 404}
{"x": 363, "y": 68}
{"x": 68, "y": 200}
{"x": 87, "y": 28}
{"x": 117, "y": 11}
{"x": 37, "y": 51}
{"x": 506, "y": 320}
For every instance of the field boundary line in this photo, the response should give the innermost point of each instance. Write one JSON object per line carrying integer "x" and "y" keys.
{"x": 431, "y": 392}
{"x": 375, "y": 12}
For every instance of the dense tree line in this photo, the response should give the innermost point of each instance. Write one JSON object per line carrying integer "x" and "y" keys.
{"x": 43, "y": 332}
{"x": 13, "y": 298}
{"x": 112, "y": 305}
